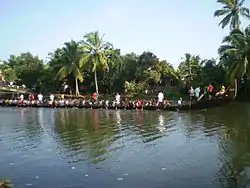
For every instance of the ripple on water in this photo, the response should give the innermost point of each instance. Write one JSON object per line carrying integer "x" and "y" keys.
{"x": 108, "y": 145}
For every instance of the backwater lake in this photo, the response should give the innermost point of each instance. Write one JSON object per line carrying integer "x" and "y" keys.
{"x": 76, "y": 148}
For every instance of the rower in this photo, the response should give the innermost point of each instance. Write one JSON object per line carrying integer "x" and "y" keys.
{"x": 139, "y": 104}
{"x": 221, "y": 92}
{"x": 160, "y": 98}
{"x": 94, "y": 96}
{"x": 191, "y": 94}
{"x": 117, "y": 98}
{"x": 51, "y": 97}
{"x": 40, "y": 97}
{"x": 210, "y": 89}
{"x": 205, "y": 92}
{"x": 180, "y": 101}
{"x": 197, "y": 92}
{"x": 21, "y": 97}
{"x": 106, "y": 104}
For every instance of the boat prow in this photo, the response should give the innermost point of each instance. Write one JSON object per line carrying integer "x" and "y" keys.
{"x": 229, "y": 96}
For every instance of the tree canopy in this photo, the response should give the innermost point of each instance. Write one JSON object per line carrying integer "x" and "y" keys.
{"x": 95, "y": 65}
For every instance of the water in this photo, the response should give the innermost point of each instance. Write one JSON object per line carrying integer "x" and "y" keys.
{"x": 62, "y": 148}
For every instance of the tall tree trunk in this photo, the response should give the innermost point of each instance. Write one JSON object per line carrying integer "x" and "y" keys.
{"x": 96, "y": 84}
{"x": 77, "y": 89}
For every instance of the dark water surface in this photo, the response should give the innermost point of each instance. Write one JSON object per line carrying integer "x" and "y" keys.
{"x": 57, "y": 148}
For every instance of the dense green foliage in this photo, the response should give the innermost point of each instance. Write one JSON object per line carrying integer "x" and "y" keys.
{"x": 95, "y": 65}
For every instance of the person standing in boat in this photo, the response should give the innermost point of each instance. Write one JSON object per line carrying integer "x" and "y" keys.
{"x": 210, "y": 89}
{"x": 21, "y": 97}
{"x": 205, "y": 92}
{"x": 51, "y": 97}
{"x": 160, "y": 98}
{"x": 95, "y": 96}
{"x": 30, "y": 98}
{"x": 197, "y": 92}
{"x": 191, "y": 94}
{"x": 139, "y": 104}
{"x": 40, "y": 98}
{"x": 117, "y": 99}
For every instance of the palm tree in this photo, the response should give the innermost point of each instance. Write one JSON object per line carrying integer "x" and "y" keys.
{"x": 97, "y": 53}
{"x": 231, "y": 11}
{"x": 235, "y": 53}
{"x": 71, "y": 65}
{"x": 189, "y": 67}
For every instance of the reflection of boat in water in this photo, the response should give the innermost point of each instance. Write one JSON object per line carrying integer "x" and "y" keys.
{"x": 118, "y": 118}
{"x": 161, "y": 125}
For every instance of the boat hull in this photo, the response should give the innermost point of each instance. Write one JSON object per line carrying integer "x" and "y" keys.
{"x": 194, "y": 106}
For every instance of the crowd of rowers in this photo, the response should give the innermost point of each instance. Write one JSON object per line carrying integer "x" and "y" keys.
{"x": 208, "y": 92}
{"x": 52, "y": 101}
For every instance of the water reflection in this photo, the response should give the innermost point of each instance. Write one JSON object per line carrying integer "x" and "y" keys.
{"x": 203, "y": 148}
{"x": 33, "y": 131}
{"x": 140, "y": 117}
{"x": 161, "y": 125}
{"x": 118, "y": 118}
{"x": 232, "y": 130}
{"x": 82, "y": 134}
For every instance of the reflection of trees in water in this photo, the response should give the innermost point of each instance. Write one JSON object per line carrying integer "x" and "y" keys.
{"x": 144, "y": 124}
{"x": 31, "y": 119}
{"x": 82, "y": 134}
{"x": 192, "y": 122}
{"x": 230, "y": 127}
{"x": 233, "y": 141}
{"x": 149, "y": 125}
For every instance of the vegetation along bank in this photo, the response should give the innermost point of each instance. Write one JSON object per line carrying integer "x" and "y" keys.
{"x": 94, "y": 65}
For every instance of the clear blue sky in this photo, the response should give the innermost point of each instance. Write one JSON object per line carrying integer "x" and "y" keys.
{"x": 167, "y": 28}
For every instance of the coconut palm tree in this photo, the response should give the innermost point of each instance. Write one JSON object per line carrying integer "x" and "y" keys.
{"x": 96, "y": 53}
{"x": 235, "y": 52}
{"x": 189, "y": 67}
{"x": 231, "y": 12}
{"x": 71, "y": 65}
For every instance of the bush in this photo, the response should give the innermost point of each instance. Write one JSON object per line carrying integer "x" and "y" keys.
{"x": 175, "y": 95}
{"x": 135, "y": 88}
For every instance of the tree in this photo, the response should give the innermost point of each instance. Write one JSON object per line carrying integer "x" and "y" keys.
{"x": 71, "y": 65}
{"x": 8, "y": 72}
{"x": 231, "y": 12}
{"x": 146, "y": 61}
{"x": 24, "y": 69}
{"x": 96, "y": 53}
{"x": 115, "y": 75}
{"x": 190, "y": 68}
{"x": 235, "y": 53}
{"x": 212, "y": 73}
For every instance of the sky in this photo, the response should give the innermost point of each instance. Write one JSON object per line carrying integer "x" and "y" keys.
{"x": 167, "y": 28}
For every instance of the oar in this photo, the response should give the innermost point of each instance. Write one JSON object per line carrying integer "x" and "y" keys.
{"x": 200, "y": 97}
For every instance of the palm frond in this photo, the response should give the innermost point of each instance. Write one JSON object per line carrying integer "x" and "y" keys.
{"x": 240, "y": 3}
{"x": 85, "y": 58}
{"x": 225, "y": 21}
{"x": 224, "y": 48}
{"x": 221, "y": 12}
{"x": 62, "y": 73}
